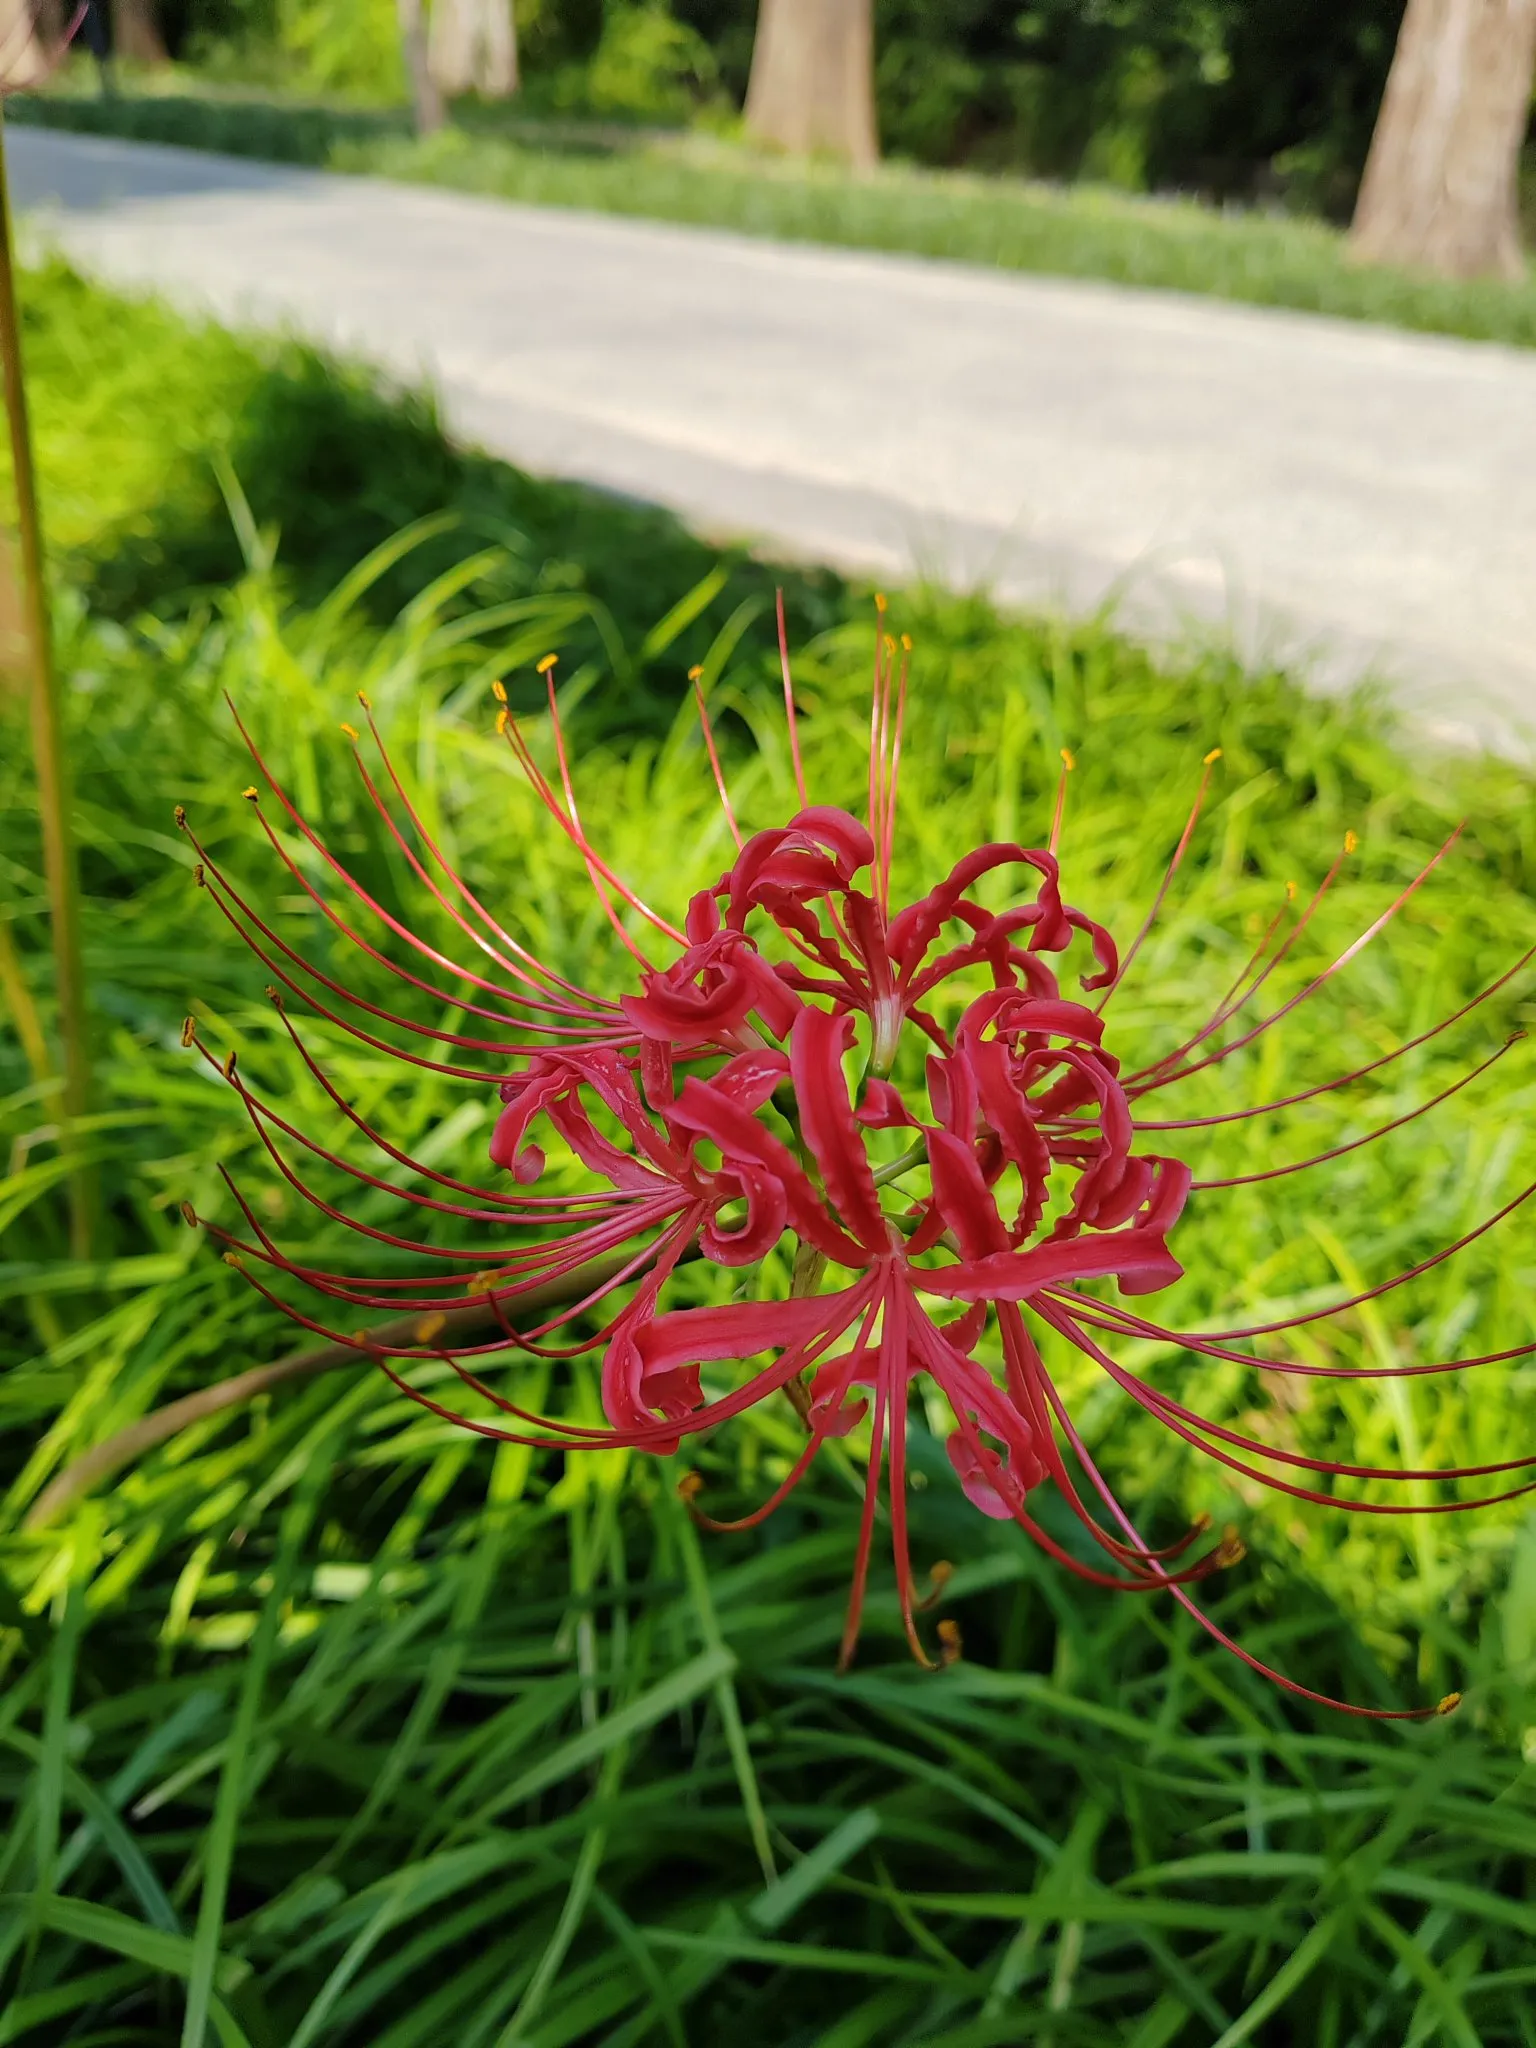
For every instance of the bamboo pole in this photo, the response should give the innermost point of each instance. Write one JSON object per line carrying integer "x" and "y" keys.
{"x": 49, "y": 750}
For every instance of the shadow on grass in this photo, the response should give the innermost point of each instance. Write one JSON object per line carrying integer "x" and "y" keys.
{"x": 331, "y": 467}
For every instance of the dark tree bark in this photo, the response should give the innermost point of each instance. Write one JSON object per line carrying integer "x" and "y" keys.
{"x": 812, "y": 88}
{"x": 1441, "y": 190}
{"x": 136, "y": 36}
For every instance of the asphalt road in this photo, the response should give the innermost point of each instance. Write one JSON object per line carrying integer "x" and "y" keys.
{"x": 1356, "y": 500}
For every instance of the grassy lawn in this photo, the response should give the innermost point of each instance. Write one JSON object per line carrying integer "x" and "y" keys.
{"x": 1008, "y": 223}
{"x": 357, "y": 1731}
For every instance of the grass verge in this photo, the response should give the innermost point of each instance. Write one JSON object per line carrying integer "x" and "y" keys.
{"x": 1009, "y": 224}
{"x": 327, "y": 1725}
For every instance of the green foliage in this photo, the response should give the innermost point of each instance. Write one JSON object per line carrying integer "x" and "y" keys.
{"x": 353, "y": 48}
{"x": 337, "y": 1726}
{"x": 263, "y": 128}
{"x": 632, "y": 64}
{"x": 649, "y": 63}
{"x": 1154, "y": 93}
{"x": 1249, "y": 98}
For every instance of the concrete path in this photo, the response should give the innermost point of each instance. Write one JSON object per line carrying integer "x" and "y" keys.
{"x": 1360, "y": 499}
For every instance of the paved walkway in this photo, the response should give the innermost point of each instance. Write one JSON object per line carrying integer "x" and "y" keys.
{"x": 1362, "y": 498}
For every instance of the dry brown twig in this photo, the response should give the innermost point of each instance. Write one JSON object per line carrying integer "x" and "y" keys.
{"x": 106, "y": 1459}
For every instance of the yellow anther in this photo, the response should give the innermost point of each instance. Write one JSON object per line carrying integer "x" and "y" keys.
{"x": 1231, "y": 1549}
{"x": 1350, "y": 842}
{"x": 938, "y": 1578}
{"x": 189, "y": 1215}
{"x": 906, "y": 643}
{"x": 1290, "y": 892}
{"x": 232, "y": 1259}
{"x": 229, "y": 1065}
{"x": 880, "y": 601}
{"x": 695, "y": 672}
{"x": 1449, "y": 1704}
{"x": 189, "y": 1030}
{"x": 1067, "y": 760}
{"x": 351, "y": 731}
{"x": 499, "y": 691}
{"x": 546, "y": 663}
{"x": 890, "y": 644}
{"x": 690, "y": 1486}
{"x": 251, "y": 793}
{"x": 429, "y": 1327}
{"x": 1211, "y": 758}
{"x": 502, "y": 717}
{"x": 180, "y": 815}
{"x": 365, "y": 700}
{"x": 950, "y": 1645}
{"x": 200, "y": 876}
{"x": 1199, "y": 1525}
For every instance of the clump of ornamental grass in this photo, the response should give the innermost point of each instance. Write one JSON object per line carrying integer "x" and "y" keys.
{"x": 919, "y": 1107}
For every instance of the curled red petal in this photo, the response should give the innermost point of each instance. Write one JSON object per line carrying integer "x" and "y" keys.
{"x": 1139, "y": 1259}
{"x": 743, "y": 1140}
{"x": 741, "y": 1329}
{"x": 816, "y": 1053}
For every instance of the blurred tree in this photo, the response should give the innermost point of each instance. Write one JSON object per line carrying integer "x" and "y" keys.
{"x": 472, "y": 47}
{"x": 812, "y": 88}
{"x": 136, "y": 33}
{"x": 426, "y": 100}
{"x": 1441, "y": 185}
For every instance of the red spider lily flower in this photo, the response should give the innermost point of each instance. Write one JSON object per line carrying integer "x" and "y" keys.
{"x": 740, "y": 1100}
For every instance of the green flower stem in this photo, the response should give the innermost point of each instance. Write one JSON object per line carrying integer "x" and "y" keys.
{"x": 53, "y": 790}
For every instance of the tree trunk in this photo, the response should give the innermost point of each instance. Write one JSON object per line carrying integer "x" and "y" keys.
{"x": 812, "y": 89}
{"x": 1441, "y": 190}
{"x": 473, "y": 48}
{"x": 135, "y": 32}
{"x": 426, "y": 100}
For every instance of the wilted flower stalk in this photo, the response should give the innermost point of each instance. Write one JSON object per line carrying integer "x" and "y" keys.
{"x": 920, "y": 1100}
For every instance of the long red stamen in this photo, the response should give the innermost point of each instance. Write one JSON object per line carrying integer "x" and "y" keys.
{"x": 1116, "y": 1319}
{"x": 1245, "y": 1180}
{"x": 1386, "y": 1286}
{"x": 714, "y": 756}
{"x": 524, "y": 973}
{"x": 513, "y": 1204}
{"x": 893, "y": 778}
{"x": 1239, "y": 996}
{"x": 1256, "y": 1664}
{"x": 1318, "y": 981}
{"x": 1060, "y": 811}
{"x": 1168, "y": 874}
{"x": 598, "y": 870}
{"x": 1232, "y": 1116}
{"x": 460, "y": 886}
{"x": 609, "y": 1029}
